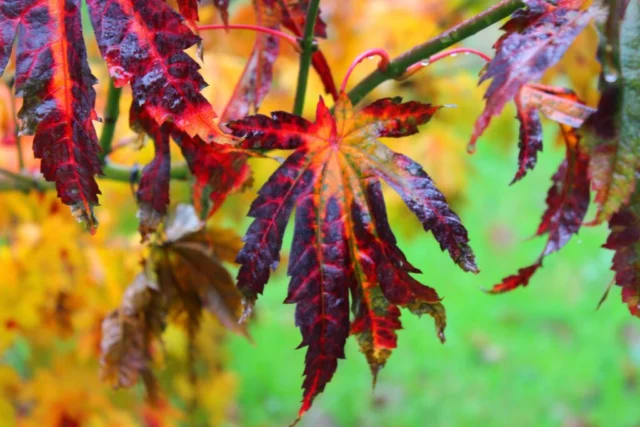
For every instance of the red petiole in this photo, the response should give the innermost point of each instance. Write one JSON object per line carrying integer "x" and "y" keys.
{"x": 382, "y": 64}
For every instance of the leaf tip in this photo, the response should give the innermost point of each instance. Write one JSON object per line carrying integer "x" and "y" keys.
{"x": 84, "y": 215}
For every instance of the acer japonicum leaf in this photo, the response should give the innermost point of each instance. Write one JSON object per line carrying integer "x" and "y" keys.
{"x": 218, "y": 170}
{"x": 615, "y": 126}
{"x": 343, "y": 245}
{"x": 567, "y": 204}
{"x": 53, "y": 77}
{"x": 558, "y": 104}
{"x": 536, "y": 39}
{"x": 143, "y": 43}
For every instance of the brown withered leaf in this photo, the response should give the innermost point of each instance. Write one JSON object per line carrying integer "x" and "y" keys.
{"x": 128, "y": 334}
{"x": 188, "y": 267}
{"x": 184, "y": 275}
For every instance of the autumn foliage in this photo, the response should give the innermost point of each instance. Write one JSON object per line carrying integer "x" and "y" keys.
{"x": 347, "y": 273}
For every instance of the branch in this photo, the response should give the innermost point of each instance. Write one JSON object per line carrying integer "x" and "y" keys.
{"x": 466, "y": 29}
{"x": 111, "y": 171}
{"x": 308, "y": 47}
{"x": 111, "y": 113}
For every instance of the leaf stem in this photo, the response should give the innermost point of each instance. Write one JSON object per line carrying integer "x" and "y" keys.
{"x": 111, "y": 113}
{"x": 284, "y": 36}
{"x": 465, "y": 29}
{"x": 308, "y": 46}
{"x": 382, "y": 65}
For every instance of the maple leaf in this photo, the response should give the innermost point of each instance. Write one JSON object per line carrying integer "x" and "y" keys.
{"x": 558, "y": 104}
{"x": 143, "y": 43}
{"x": 342, "y": 240}
{"x": 567, "y": 204}
{"x": 615, "y": 126}
{"x": 535, "y": 40}
{"x": 53, "y": 77}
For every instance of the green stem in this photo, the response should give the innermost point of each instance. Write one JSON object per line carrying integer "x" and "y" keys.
{"x": 116, "y": 172}
{"x": 466, "y": 29}
{"x": 111, "y": 171}
{"x": 111, "y": 113}
{"x": 22, "y": 182}
{"x": 307, "y": 44}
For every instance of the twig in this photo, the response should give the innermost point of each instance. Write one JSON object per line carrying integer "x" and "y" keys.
{"x": 466, "y": 29}
{"x": 111, "y": 113}
{"x": 308, "y": 47}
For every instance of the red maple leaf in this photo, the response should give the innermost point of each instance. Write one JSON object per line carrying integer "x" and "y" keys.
{"x": 143, "y": 42}
{"x": 53, "y": 77}
{"x": 567, "y": 204}
{"x": 342, "y": 241}
{"x": 536, "y": 39}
